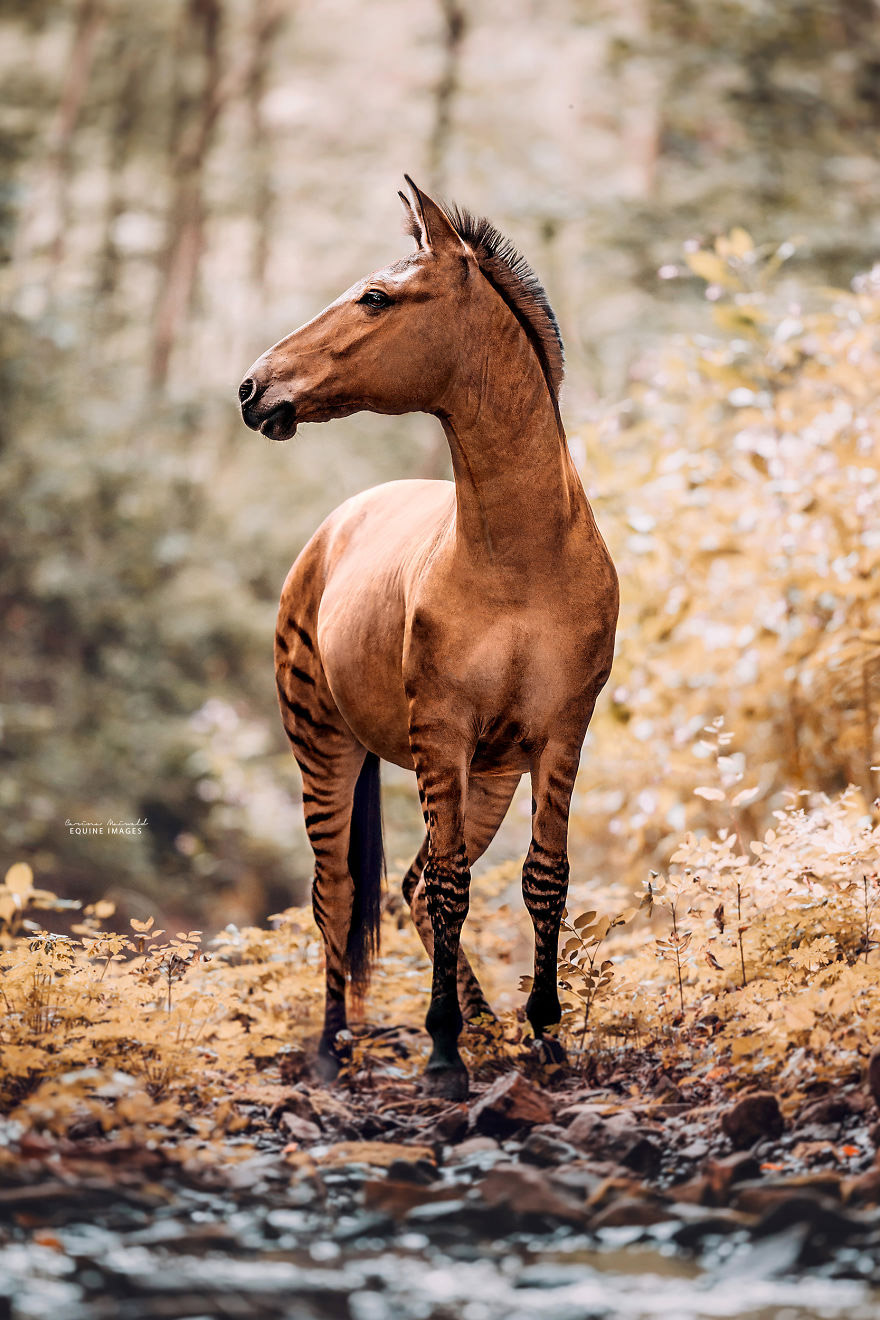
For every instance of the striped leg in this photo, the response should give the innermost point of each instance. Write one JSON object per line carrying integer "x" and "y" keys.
{"x": 545, "y": 879}
{"x": 487, "y": 802}
{"x": 330, "y": 760}
{"x": 327, "y": 796}
{"x": 442, "y": 788}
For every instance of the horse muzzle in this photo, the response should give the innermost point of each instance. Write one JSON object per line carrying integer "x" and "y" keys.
{"x": 278, "y": 422}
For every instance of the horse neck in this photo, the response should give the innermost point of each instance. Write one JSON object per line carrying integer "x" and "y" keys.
{"x": 516, "y": 488}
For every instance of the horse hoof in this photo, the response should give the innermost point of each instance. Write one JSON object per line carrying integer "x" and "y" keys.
{"x": 327, "y": 1066}
{"x": 549, "y": 1050}
{"x": 333, "y": 1052}
{"x": 446, "y": 1083}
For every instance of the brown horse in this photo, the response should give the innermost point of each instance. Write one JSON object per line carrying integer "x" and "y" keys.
{"x": 461, "y": 630}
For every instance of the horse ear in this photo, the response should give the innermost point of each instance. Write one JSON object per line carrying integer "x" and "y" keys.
{"x": 411, "y": 223}
{"x": 437, "y": 232}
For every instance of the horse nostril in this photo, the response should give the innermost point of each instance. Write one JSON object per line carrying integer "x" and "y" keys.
{"x": 246, "y": 391}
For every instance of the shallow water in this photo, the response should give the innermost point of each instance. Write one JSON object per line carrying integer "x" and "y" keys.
{"x": 89, "y": 1273}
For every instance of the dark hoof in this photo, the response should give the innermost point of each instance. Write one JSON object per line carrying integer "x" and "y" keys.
{"x": 333, "y": 1053}
{"x": 549, "y": 1050}
{"x": 327, "y": 1066}
{"x": 446, "y": 1083}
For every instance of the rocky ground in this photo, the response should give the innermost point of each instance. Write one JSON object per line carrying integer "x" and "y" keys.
{"x": 370, "y": 1201}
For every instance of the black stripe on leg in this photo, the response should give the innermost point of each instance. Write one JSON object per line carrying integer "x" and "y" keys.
{"x": 281, "y": 643}
{"x": 300, "y": 632}
{"x": 319, "y": 817}
{"x": 301, "y": 674}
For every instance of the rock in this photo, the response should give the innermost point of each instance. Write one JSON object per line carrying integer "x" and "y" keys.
{"x": 474, "y": 1146}
{"x": 459, "y": 1219}
{"x": 696, "y": 1191}
{"x": 418, "y": 1172}
{"x": 527, "y": 1193}
{"x": 753, "y": 1118}
{"x": 695, "y": 1150}
{"x": 722, "y": 1174}
{"x": 383, "y": 1154}
{"x": 828, "y": 1110}
{"x": 618, "y": 1137}
{"x": 299, "y": 1129}
{"x": 509, "y": 1104}
{"x": 863, "y": 1190}
{"x": 546, "y": 1146}
{"x": 579, "y": 1181}
{"x": 572, "y": 1112}
{"x": 822, "y": 1217}
{"x": 632, "y": 1212}
{"x": 757, "y": 1198}
{"x": 695, "y": 1229}
{"x": 874, "y": 1075}
{"x": 449, "y": 1127}
{"x": 390, "y": 1197}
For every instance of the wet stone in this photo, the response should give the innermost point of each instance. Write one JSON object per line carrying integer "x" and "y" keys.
{"x": 693, "y": 1233}
{"x": 632, "y": 1212}
{"x": 822, "y": 1217}
{"x": 758, "y": 1196}
{"x": 528, "y": 1193}
{"x": 864, "y": 1190}
{"x": 420, "y": 1172}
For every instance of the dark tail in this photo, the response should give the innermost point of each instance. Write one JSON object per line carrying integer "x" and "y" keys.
{"x": 366, "y": 861}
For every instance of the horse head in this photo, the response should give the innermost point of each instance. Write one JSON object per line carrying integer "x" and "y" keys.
{"x": 389, "y": 344}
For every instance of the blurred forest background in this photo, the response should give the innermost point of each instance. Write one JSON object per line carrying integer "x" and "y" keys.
{"x": 697, "y": 182}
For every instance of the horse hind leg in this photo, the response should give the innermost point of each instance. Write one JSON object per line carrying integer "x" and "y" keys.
{"x": 341, "y": 807}
{"x": 487, "y": 803}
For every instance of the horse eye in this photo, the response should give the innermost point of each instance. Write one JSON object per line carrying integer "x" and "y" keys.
{"x": 376, "y": 298}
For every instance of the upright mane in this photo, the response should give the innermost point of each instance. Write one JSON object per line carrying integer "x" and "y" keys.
{"x": 510, "y": 274}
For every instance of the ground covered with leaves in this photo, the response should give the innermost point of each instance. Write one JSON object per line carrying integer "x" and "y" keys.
{"x": 165, "y": 1138}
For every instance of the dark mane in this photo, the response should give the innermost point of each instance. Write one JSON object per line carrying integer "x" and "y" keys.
{"x": 511, "y": 275}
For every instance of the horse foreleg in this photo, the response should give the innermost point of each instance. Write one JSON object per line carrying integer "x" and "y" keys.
{"x": 487, "y": 803}
{"x": 447, "y": 882}
{"x": 545, "y": 880}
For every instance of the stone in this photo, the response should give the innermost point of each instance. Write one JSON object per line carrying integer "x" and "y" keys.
{"x": 693, "y": 1232}
{"x": 419, "y": 1172}
{"x": 474, "y": 1146}
{"x": 618, "y": 1137}
{"x": 509, "y": 1104}
{"x": 545, "y": 1146}
{"x": 722, "y": 1174}
{"x": 865, "y": 1189}
{"x": 757, "y": 1198}
{"x": 753, "y": 1118}
{"x": 299, "y": 1129}
{"x": 828, "y": 1110}
{"x": 632, "y": 1212}
{"x": 397, "y": 1198}
{"x": 448, "y": 1127}
{"x": 874, "y": 1075}
{"x": 528, "y": 1193}
{"x": 822, "y": 1217}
